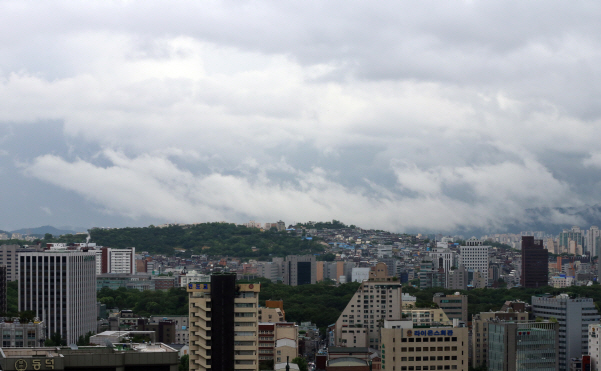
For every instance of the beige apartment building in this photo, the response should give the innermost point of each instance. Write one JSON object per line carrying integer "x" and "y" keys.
{"x": 407, "y": 348}
{"x": 480, "y": 332}
{"x": 426, "y": 317}
{"x": 277, "y": 341}
{"x": 224, "y": 324}
{"x": 270, "y": 315}
{"x": 376, "y": 300}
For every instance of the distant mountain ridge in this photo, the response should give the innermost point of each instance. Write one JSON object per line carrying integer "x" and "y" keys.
{"x": 45, "y": 229}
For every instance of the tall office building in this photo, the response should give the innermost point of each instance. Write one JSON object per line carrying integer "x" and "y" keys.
{"x": 573, "y": 316}
{"x": 480, "y": 330}
{"x": 60, "y": 288}
{"x": 529, "y": 346}
{"x": 300, "y": 270}
{"x": 535, "y": 263}
{"x": 224, "y": 324}
{"x": 474, "y": 256}
{"x": 376, "y": 300}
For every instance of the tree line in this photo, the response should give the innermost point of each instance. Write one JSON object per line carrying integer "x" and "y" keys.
{"x": 213, "y": 239}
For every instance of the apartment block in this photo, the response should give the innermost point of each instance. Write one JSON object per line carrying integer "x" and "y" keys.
{"x": 223, "y": 324}
{"x": 277, "y": 341}
{"x": 376, "y": 300}
{"x": 434, "y": 348}
{"x": 181, "y": 326}
{"x": 594, "y": 350}
{"x": 118, "y": 260}
{"x": 60, "y": 288}
{"x": 426, "y": 317}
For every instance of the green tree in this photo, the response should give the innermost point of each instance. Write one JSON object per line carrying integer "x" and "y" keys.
{"x": 266, "y": 365}
{"x": 55, "y": 340}
{"x": 48, "y": 236}
{"x": 26, "y": 316}
{"x": 184, "y": 363}
{"x": 302, "y": 363}
{"x": 329, "y": 257}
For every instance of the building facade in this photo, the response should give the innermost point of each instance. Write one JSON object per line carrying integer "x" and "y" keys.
{"x": 474, "y": 256}
{"x": 277, "y": 341}
{"x": 480, "y": 331}
{"x": 571, "y": 236}
{"x": 594, "y": 350}
{"x": 22, "y": 335}
{"x": 454, "y": 306}
{"x": 300, "y": 270}
{"x": 434, "y": 348}
{"x": 223, "y": 324}
{"x": 118, "y": 260}
{"x": 9, "y": 258}
{"x": 574, "y": 316}
{"x": 376, "y": 300}
{"x": 3, "y": 303}
{"x": 60, "y": 288}
{"x": 530, "y": 346}
{"x": 535, "y": 263}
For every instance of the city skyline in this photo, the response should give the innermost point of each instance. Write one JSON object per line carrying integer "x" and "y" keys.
{"x": 406, "y": 117}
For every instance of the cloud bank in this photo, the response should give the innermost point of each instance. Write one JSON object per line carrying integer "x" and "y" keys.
{"x": 429, "y": 116}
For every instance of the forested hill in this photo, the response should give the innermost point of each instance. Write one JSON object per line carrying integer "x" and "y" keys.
{"x": 209, "y": 238}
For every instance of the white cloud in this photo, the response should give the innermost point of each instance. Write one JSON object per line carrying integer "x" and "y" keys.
{"x": 402, "y": 115}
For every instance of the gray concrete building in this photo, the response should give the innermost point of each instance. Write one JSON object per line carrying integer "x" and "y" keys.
{"x": 8, "y": 258}
{"x": 457, "y": 279}
{"x": 300, "y": 270}
{"x": 20, "y": 335}
{"x": 573, "y": 316}
{"x": 60, "y": 288}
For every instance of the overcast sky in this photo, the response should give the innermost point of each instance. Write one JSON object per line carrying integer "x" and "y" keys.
{"x": 406, "y": 116}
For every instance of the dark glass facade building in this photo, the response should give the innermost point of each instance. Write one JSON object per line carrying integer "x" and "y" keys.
{"x": 535, "y": 263}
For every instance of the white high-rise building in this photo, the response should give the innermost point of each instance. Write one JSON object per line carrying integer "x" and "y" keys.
{"x": 475, "y": 256}
{"x": 593, "y": 239}
{"x": 443, "y": 257}
{"x": 117, "y": 260}
{"x": 60, "y": 288}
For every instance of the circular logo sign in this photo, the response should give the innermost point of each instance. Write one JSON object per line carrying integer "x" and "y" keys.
{"x": 21, "y": 365}
{"x": 251, "y": 286}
